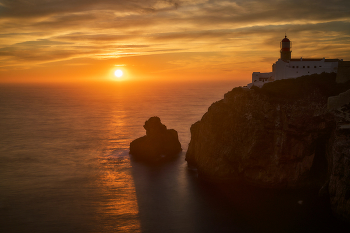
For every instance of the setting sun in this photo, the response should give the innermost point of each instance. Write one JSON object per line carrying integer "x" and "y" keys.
{"x": 118, "y": 73}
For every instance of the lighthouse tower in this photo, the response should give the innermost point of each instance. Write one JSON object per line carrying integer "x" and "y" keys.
{"x": 286, "y": 52}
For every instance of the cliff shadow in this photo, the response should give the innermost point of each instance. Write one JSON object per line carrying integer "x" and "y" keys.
{"x": 171, "y": 198}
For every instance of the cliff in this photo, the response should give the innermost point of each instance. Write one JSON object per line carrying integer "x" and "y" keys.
{"x": 280, "y": 136}
{"x": 339, "y": 181}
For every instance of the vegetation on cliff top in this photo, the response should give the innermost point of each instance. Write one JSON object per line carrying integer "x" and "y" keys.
{"x": 298, "y": 88}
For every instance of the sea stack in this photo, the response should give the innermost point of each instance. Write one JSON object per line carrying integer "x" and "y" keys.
{"x": 158, "y": 144}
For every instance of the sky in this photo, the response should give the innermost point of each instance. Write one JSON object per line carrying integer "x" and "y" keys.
{"x": 87, "y": 40}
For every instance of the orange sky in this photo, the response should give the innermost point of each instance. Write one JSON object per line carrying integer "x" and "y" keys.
{"x": 83, "y": 40}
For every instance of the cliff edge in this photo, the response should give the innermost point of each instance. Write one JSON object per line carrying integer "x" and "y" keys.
{"x": 280, "y": 136}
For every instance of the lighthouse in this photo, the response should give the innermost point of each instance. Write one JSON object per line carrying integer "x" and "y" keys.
{"x": 286, "y": 52}
{"x": 286, "y": 67}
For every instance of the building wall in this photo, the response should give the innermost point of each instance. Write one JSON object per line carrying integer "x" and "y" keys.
{"x": 296, "y": 68}
{"x": 257, "y": 76}
{"x": 259, "y": 79}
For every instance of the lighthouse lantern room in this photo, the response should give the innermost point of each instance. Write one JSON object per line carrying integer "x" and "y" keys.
{"x": 286, "y": 46}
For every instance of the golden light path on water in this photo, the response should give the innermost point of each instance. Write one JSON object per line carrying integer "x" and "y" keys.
{"x": 120, "y": 207}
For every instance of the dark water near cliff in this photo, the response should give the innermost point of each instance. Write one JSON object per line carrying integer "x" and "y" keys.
{"x": 65, "y": 167}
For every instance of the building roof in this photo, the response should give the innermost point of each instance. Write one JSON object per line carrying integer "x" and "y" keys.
{"x": 315, "y": 59}
{"x": 285, "y": 39}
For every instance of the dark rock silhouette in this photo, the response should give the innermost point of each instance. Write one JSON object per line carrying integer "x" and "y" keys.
{"x": 159, "y": 143}
{"x": 281, "y": 136}
{"x": 339, "y": 181}
{"x": 248, "y": 138}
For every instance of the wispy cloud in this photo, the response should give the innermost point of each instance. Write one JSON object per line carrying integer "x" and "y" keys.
{"x": 39, "y": 32}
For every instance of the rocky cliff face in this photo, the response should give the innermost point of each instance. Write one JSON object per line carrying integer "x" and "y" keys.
{"x": 246, "y": 137}
{"x": 339, "y": 182}
{"x": 276, "y": 142}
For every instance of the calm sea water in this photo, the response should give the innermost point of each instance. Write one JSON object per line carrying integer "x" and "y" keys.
{"x": 65, "y": 167}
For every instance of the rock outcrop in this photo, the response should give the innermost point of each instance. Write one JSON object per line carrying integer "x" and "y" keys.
{"x": 159, "y": 143}
{"x": 248, "y": 138}
{"x": 279, "y": 136}
{"x": 339, "y": 182}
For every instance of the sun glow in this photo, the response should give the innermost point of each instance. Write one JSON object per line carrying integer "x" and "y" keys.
{"x": 118, "y": 73}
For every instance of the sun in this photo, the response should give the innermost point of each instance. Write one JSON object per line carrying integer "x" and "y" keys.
{"x": 118, "y": 73}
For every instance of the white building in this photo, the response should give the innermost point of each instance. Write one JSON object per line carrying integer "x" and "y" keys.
{"x": 286, "y": 67}
{"x": 259, "y": 79}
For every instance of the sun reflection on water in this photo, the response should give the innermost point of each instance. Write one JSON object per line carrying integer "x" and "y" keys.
{"x": 117, "y": 185}
{"x": 120, "y": 198}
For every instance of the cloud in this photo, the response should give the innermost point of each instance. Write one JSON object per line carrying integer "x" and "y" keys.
{"x": 78, "y": 37}
{"x": 38, "y": 32}
{"x": 41, "y": 43}
{"x": 39, "y": 8}
{"x": 269, "y": 12}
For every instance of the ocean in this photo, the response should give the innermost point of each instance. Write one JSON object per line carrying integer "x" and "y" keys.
{"x": 65, "y": 165}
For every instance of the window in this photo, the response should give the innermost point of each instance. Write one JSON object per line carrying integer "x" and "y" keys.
{"x": 308, "y": 66}
{"x": 297, "y": 66}
{"x": 315, "y": 66}
{"x": 303, "y": 66}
